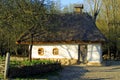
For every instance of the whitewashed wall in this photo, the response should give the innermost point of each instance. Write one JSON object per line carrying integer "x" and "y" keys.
{"x": 65, "y": 51}
{"x": 94, "y": 53}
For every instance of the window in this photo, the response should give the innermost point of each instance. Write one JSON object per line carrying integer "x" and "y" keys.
{"x": 41, "y": 51}
{"x": 55, "y": 51}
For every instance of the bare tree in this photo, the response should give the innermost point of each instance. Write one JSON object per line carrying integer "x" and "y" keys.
{"x": 93, "y": 6}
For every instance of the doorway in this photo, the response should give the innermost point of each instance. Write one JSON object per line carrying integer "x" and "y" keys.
{"x": 82, "y": 53}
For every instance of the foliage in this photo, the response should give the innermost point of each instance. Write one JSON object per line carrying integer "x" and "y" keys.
{"x": 17, "y": 16}
{"x": 108, "y": 22}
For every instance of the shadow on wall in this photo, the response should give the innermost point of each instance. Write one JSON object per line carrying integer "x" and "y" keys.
{"x": 68, "y": 50}
{"x": 97, "y": 53}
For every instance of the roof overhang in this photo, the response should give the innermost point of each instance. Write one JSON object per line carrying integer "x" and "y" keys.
{"x": 61, "y": 42}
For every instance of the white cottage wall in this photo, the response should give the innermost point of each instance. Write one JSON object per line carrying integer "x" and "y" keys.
{"x": 94, "y": 53}
{"x": 69, "y": 51}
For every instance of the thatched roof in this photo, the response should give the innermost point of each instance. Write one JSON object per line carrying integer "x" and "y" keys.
{"x": 62, "y": 29}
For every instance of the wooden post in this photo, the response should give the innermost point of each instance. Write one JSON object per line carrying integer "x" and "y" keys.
{"x": 78, "y": 53}
{"x": 30, "y": 52}
{"x": 7, "y": 65}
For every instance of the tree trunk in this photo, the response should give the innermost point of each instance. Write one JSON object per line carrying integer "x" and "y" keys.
{"x": 30, "y": 53}
{"x": 30, "y": 48}
{"x": 78, "y": 54}
{"x": 16, "y": 52}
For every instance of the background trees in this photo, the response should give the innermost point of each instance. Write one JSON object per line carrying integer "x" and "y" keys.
{"x": 16, "y": 16}
{"x": 109, "y": 23}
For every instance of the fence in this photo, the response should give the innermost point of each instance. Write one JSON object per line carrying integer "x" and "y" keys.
{"x": 4, "y": 66}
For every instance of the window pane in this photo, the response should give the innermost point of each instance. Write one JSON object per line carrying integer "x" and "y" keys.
{"x": 55, "y": 51}
{"x": 41, "y": 51}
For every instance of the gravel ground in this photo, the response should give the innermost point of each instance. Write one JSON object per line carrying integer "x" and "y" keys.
{"x": 78, "y": 72}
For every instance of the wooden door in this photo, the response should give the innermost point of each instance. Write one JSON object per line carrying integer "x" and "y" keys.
{"x": 82, "y": 53}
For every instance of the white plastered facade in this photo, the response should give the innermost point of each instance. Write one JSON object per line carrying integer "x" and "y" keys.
{"x": 68, "y": 51}
{"x": 94, "y": 53}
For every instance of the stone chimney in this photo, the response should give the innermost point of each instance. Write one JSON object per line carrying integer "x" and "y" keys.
{"x": 78, "y": 8}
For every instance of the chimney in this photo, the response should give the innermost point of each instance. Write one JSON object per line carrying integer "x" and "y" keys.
{"x": 78, "y": 8}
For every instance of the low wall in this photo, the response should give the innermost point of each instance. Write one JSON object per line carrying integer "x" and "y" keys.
{"x": 27, "y": 71}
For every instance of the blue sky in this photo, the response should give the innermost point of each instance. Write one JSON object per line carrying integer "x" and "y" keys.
{"x": 66, "y": 2}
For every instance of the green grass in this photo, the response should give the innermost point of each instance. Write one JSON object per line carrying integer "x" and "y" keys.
{"x": 28, "y": 63}
{"x": 2, "y": 58}
{"x": 1, "y": 76}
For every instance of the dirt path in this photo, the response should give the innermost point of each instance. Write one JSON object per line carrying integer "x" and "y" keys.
{"x": 77, "y": 72}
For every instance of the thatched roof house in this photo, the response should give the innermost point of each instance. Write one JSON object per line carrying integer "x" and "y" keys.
{"x": 68, "y": 38}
